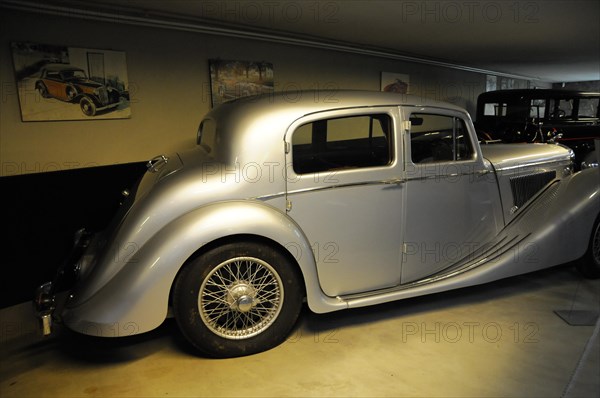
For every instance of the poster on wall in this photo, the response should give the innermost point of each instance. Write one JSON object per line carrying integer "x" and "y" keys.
{"x": 395, "y": 82}
{"x": 69, "y": 83}
{"x": 491, "y": 83}
{"x": 235, "y": 79}
{"x": 507, "y": 83}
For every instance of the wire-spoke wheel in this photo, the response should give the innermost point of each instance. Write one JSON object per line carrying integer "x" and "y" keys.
{"x": 589, "y": 264}
{"x": 240, "y": 298}
{"x": 237, "y": 299}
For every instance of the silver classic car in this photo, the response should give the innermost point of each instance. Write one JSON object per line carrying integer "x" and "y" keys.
{"x": 335, "y": 199}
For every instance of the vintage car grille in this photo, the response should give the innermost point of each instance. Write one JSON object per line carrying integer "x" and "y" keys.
{"x": 103, "y": 95}
{"x": 524, "y": 187}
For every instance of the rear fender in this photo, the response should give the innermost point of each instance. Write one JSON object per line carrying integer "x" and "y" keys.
{"x": 136, "y": 299}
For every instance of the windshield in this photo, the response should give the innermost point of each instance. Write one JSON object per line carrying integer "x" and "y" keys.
{"x": 73, "y": 74}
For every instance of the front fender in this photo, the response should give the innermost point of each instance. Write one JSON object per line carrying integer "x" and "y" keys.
{"x": 136, "y": 299}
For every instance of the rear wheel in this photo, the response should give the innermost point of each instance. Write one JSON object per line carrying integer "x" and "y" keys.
{"x": 237, "y": 299}
{"x": 589, "y": 264}
{"x": 43, "y": 90}
{"x": 71, "y": 92}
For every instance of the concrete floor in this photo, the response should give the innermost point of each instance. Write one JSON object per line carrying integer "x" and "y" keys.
{"x": 501, "y": 339}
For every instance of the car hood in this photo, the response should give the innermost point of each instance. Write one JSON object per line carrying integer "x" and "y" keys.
{"x": 85, "y": 82}
{"x": 508, "y": 156}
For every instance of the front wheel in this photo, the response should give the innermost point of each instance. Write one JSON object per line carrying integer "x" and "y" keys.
{"x": 87, "y": 106}
{"x": 237, "y": 299}
{"x": 589, "y": 264}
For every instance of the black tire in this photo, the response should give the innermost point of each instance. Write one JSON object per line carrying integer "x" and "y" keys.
{"x": 87, "y": 106}
{"x": 589, "y": 264}
{"x": 220, "y": 307}
{"x": 43, "y": 90}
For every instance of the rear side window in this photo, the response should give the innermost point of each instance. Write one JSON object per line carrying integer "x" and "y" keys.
{"x": 439, "y": 138}
{"x": 207, "y": 135}
{"x": 342, "y": 143}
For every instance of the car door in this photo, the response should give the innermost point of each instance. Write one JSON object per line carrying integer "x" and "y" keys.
{"x": 452, "y": 197}
{"x": 54, "y": 84}
{"x": 344, "y": 189}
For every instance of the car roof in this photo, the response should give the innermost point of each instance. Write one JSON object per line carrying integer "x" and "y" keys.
{"x": 244, "y": 122}
{"x": 321, "y": 100}
{"x": 61, "y": 67}
{"x": 286, "y": 106}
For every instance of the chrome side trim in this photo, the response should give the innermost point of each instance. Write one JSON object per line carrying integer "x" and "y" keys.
{"x": 267, "y": 197}
{"x": 392, "y": 181}
{"x": 449, "y": 175}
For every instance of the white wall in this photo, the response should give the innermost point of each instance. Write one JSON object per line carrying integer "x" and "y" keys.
{"x": 169, "y": 84}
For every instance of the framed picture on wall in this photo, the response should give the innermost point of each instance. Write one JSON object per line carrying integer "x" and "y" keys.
{"x": 235, "y": 79}
{"x": 68, "y": 83}
{"x": 491, "y": 82}
{"x": 395, "y": 82}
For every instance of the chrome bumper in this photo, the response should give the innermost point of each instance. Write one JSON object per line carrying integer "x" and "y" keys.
{"x": 45, "y": 296}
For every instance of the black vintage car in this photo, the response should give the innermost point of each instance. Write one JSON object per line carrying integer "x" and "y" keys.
{"x": 542, "y": 115}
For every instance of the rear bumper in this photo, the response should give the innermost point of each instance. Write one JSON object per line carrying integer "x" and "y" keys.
{"x": 45, "y": 301}
{"x": 45, "y": 304}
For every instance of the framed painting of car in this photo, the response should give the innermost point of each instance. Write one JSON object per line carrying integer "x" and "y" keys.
{"x": 69, "y": 83}
{"x": 234, "y": 79}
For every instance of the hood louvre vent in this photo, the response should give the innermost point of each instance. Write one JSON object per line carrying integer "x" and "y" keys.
{"x": 525, "y": 187}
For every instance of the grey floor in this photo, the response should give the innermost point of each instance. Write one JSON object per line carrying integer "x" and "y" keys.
{"x": 502, "y": 339}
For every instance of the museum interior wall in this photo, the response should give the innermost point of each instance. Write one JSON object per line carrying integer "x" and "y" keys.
{"x": 58, "y": 176}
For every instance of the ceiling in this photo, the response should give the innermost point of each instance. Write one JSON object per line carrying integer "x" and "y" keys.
{"x": 551, "y": 40}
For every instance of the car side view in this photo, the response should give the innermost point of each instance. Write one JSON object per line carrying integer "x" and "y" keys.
{"x": 336, "y": 199}
{"x": 569, "y": 117}
{"x": 71, "y": 84}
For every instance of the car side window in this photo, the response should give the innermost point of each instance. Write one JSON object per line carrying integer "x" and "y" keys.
{"x": 561, "y": 108}
{"x": 494, "y": 109}
{"x": 588, "y": 108}
{"x": 342, "y": 143}
{"x": 439, "y": 138}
